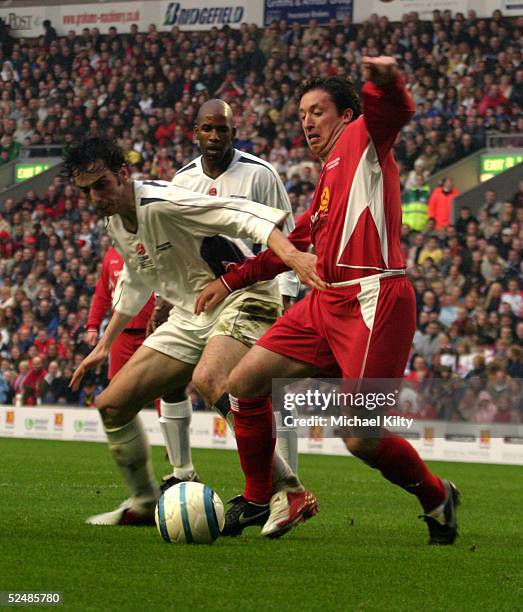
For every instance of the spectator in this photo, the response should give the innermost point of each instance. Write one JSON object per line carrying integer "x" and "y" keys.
{"x": 440, "y": 203}
{"x": 53, "y": 386}
{"x": 88, "y": 393}
{"x": 485, "y": 410}
{"x": 514, "y": 297}
{"x": 427, "y": 344}
{"x": 430, "y": 251}
{"x": 490, "y": 260}
{"x": 414, "y": 205}
{"x": 491, "y": 205}
{"x": 464, "y": 217}
{"x": 31, "y": 383}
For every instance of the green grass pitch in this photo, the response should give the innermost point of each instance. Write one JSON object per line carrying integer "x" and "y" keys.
{"x": 366, "y": 550}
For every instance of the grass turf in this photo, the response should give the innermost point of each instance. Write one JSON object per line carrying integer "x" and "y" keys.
{"x": 364, "y": 551}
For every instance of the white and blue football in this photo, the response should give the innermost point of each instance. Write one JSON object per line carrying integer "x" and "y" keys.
{"x": 190, "y": 513}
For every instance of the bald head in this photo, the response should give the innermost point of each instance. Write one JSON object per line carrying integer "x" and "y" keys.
{"x": 215, "y": 134}
{"x": 213, "y": 108}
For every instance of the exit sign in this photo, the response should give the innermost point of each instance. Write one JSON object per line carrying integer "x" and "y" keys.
{"x": 28, "y": 171}
{"x": 492, "y": 164}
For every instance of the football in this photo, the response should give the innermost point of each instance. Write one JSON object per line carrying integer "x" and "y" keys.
{"x": 189, "y": 513}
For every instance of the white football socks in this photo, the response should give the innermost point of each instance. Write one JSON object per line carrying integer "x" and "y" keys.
{"x": 175, "y": 421}
{"x": 287, "y": 441}
{"x": 130, "y": 450}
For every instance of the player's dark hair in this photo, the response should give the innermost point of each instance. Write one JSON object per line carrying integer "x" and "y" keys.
{"x": 91, "y": 150}
{"x": 341, "y": 90}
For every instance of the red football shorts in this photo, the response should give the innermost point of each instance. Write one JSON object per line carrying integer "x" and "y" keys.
{"x": 365, "y": 330}
{"x": 123, "y": 348}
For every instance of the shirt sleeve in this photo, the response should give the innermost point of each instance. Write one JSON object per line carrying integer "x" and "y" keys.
{"x": 277, "y": 197}
{"x": 211, "y": 215}
{"x": 267, "y": 265}
{"x": 130, "y": 295}
{"x": 101, "y": 301}
{"x": 385, "y": 111}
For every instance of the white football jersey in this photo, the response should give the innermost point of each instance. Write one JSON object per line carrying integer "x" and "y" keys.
{"x": 180, "y": 246}
{"x": 247, "y": 177}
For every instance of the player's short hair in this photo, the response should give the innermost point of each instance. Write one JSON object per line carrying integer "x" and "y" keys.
{"x": 92, "y": 150}
{"x": 340, "y": 89}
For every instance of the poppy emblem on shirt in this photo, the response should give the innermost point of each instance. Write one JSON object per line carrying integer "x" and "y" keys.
{"x": 140, "y": 249}
{"x": 325, "y": 199}
{"x": 213, "y": 191}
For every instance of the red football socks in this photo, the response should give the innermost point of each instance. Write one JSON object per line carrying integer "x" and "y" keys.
{"x": 400, "y": 463}
{"x": 253, "y": 420}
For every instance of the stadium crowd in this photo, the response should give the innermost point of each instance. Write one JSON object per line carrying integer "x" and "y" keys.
{"x": 144, "y": 89}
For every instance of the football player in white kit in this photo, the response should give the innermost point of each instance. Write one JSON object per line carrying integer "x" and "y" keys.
{"x": 224, "y": 171}
{"x": 161, "y": 230}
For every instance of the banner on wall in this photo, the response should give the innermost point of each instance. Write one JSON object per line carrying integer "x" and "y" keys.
{"x": 27, "y": 21}
{"x": 185, "y": 14}
{"x": 395, "y": 9}
{"x": 473, "y": 443}
{"x": 303, "y": 11}
{"x": 512, "y": 7}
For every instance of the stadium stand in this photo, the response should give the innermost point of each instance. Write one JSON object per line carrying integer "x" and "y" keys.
{"x": 144, "y": 89}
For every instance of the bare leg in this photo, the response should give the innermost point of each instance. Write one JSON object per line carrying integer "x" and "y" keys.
{"x": 145, "y": 376}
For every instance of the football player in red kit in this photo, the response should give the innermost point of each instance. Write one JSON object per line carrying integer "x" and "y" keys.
{"x": 134, "y": 334}
{"x": 363, "y": 321}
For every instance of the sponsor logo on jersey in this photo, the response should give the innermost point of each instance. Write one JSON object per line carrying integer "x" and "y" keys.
{"x": 213, "y": 191}
{"x": 164, "y": 246}
{"x": 332, "y": 164}
{"x": 324, "y": 200}
{"x": 144, "y": 261}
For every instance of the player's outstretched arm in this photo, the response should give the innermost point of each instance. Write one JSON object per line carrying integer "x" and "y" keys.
{"x": 387, "y": 106}
{"x": 267, "y": 265}
{"x": 98, "y": 355}
{"x": 211, "y": 296}
{"x": 304, "y": 264}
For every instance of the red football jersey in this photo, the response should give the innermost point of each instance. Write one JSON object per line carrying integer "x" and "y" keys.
{"x": 103, "y": 295}
{"x": 354, "y": 220}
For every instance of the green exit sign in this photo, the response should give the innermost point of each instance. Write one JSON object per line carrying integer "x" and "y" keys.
{"x": 492, "y": 164}
{"x": 27, "y": 171}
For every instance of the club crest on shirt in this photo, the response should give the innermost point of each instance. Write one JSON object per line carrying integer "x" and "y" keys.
{"x": 213, "y": 191}
{"x": 324, "y": 200}
{"x": 143, "y": 260}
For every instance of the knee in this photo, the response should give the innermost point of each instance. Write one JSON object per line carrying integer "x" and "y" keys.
{"x": 210, "y": 386}
{"x": 238, "y": 385}
{"x": 112, "y": 416}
